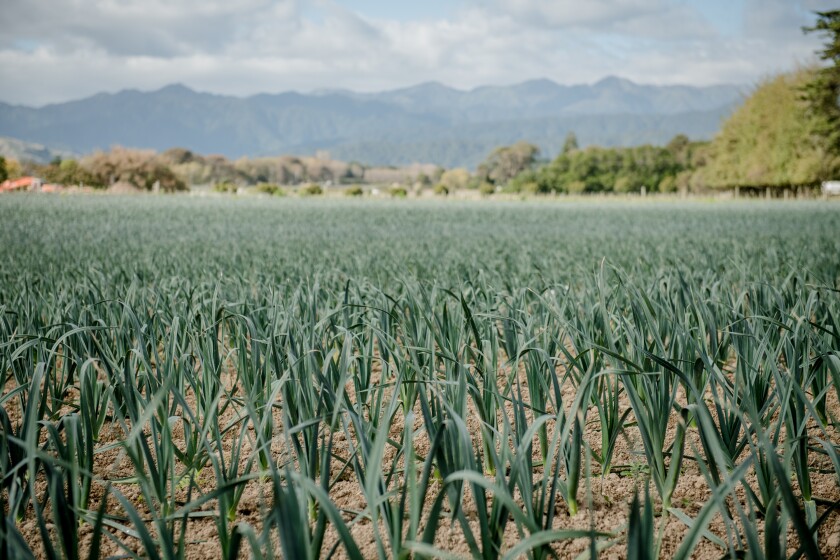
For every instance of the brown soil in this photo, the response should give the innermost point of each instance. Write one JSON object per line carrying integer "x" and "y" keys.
{"x": 604, "y": 503}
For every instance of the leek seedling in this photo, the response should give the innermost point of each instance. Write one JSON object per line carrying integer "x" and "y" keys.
{"x": 652, "y": 403}
{"x": 641, "y": 530}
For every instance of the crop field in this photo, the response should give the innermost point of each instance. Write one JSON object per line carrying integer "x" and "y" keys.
{"x": 186, "y": 377}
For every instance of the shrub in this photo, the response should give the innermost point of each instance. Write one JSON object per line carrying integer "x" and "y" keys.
{"x": 486, "y": 189}
{"x": 441, "y": 189}
{"x": 399, "y": 192}
{"x": 312, "y": 189}
{"x": 224, "y": 187}
{"x": 270, "y": 188}
{"x": 355, "y": 190}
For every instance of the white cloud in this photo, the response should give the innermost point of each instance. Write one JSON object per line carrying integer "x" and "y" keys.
{"x": 72, "y": 48}
{"x": 137, "y": 27}
{"x": 571, "y": 12}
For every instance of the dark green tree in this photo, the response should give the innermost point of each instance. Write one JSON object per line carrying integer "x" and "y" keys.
{"x": 680, "y": 146}
{"x": 823, "y": 92}
{"x": 571, "y": 143}
{"x": 4, "y": 172}
{"x": 596, "y": 169}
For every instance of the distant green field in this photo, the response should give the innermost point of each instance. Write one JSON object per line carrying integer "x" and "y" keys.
{"x": 386, "y": 379}
{"x": 509, "y": 245}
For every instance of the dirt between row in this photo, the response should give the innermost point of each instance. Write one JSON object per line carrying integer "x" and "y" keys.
{"x": 604, "y": 500}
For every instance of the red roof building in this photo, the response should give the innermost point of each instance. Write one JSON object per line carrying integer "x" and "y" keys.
{"x": 21, "y": 184}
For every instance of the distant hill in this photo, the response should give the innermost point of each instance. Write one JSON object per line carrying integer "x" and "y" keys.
{"x": 469, "y": 144}
{"x": 430, "y": 122}
{"x": 28, "y": 151}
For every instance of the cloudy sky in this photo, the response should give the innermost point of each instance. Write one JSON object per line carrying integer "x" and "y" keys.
{"x": 56, "y": 50}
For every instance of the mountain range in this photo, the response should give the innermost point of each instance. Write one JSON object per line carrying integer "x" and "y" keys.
{"x": 429, "y": 123}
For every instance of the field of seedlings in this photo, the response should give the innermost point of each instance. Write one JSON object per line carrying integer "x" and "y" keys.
{"x": 186, "y": 377}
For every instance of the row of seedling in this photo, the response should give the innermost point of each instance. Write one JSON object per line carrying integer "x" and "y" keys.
{"x": 512, "y": 403}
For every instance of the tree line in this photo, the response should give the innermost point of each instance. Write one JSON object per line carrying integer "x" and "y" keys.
{"x": 178, "y": 168}
{"x": 596, "y": 169}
